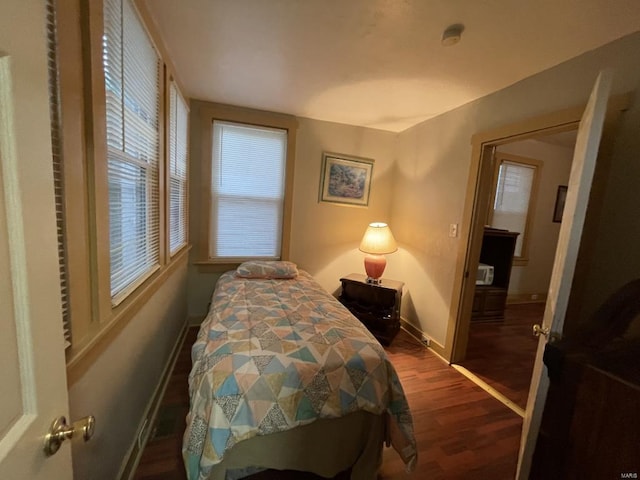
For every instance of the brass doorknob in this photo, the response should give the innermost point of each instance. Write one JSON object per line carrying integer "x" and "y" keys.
{"x": 60, "y": 431}
{"x": 538, "y": 330}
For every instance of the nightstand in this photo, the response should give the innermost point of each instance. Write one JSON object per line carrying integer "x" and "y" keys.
{"x": 377, "y": 306}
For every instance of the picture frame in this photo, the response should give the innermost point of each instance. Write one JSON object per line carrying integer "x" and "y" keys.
{"x": 345, "y": 179}
{"x": 561, "y": 198}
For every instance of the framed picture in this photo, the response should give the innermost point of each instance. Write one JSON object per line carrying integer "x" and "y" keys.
{"x": 561, "y": 197}
{"x": 345, "y": 179}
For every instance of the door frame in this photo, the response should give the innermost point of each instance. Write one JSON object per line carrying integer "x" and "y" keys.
{"x": 479, "y": 187}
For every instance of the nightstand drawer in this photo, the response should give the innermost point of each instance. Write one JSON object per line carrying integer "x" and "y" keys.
{"x": 371, "y": 295}
{"x": 377, "y": 306}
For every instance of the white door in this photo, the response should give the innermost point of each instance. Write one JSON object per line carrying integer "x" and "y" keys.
{"x": 582, "y": 168}
{"x": 32, "y": 363}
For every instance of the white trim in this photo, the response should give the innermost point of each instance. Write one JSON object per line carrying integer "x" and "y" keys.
{"x": 489, "y": 389}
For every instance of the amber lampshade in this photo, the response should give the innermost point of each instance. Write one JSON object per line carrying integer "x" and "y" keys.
{"x": 377, "y": 242}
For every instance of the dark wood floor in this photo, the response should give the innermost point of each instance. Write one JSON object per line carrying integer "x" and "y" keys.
{"x": 462, "y": 432}
{"x": 502, "y": 353}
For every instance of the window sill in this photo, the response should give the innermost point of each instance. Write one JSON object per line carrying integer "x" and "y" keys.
{"x": 82, "y": 355}
{"x": 210, "y": 266}
{"x": 221, "y": 266}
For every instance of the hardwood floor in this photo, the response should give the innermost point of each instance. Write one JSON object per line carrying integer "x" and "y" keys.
{"x": 162, "y": 455}
{"x": 462, "y": 432}
{"x": 502, "y": 353}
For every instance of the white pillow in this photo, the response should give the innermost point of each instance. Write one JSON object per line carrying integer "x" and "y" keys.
{"x": 267, "y": 269}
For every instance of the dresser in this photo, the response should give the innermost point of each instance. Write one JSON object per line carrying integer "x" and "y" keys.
{"x": 497, "y": 250}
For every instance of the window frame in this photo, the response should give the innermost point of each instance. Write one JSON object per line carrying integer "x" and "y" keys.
{"x": 171, "y": 81}
{"x": 96, "y": 321}
{"x": 500, "y": 158}
{"x": 220, "y": 199}
{"x": 107, "y": 307}
{"x": 134, "y": 160}
{"x": 208, "y": 113}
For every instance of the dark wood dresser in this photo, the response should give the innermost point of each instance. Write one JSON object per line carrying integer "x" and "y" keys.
{"x": 497, "y": 250}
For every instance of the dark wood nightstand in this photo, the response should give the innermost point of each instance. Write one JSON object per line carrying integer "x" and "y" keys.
{"x": 377, "y": 306}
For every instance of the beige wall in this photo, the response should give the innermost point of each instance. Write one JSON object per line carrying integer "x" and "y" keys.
{"x": 200, "y": 285}
{"x": 533, "y": 278}
{"x": 324, "y": 237}
{"x": 119, "y": 385}
{"x": 420, "y": 184}
{"x": 433, "y": 162}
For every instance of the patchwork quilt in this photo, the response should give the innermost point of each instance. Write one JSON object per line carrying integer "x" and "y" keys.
{"x": 276, "y": 354}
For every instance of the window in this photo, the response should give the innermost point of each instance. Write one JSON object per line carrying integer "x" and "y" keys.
{"x": 514, "y": 198}
{"x": 247, "y": 191}
{"x": 132, "y": 85}
{"x": 177, "y": 132}
{"x": 118, "y": 186}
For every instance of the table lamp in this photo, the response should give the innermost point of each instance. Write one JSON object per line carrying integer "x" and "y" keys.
{"x": 377, "y": 242}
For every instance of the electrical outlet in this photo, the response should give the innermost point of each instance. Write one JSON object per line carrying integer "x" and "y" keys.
{"x": 425, "y": 340}
{"x": 453, "y": 230}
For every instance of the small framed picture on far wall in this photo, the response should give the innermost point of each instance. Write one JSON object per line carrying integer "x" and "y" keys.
{"x": 345, "y": 179}
{"x": 561, "y": 197}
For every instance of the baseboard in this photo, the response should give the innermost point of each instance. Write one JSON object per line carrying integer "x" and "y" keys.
{"x": 132, "y": 458}
{"x": 515, "y": 298}
{"x": 420, "y": 335}
{"x": 195, "y": 320}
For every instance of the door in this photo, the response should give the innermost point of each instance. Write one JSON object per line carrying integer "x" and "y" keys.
{"x": 32, "y": 362}
{"x": 580, "y": 179}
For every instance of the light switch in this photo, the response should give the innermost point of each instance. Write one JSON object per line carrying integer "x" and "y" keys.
{"x": 453, "y": 230}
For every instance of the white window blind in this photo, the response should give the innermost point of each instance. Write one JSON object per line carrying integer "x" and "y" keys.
{"x": 511, "y": 205}
{"x": 58, "y": 166}
{"x": 132, "y": 85}
{"x": 178, "y": 128}
{"x": 247, "y": 194}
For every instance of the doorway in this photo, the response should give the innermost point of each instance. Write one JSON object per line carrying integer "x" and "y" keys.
{"x": 478, "y": 196}
{"x": 501, "y": 348}
{"x": 477, "y": 202}
{"x": 576, "y": 242}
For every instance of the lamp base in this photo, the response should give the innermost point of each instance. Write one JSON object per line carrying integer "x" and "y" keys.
{"x": 374, "y": 265}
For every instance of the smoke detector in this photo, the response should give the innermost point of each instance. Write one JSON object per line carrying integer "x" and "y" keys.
{"x": 452, "y": 35}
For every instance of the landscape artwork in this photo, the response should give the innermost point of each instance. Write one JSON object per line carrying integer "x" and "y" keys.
{"x": 345, "y": 179}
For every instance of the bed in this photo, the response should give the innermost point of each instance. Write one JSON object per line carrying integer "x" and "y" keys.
{"x": 284, "y": 377}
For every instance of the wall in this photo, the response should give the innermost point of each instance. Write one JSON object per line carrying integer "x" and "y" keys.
{"x": 433, "y": 164}
{"x": 119, "y": 384}
{"x": 420, "y": 186}
{"x": 534, "y": 277}
{"x": 324, "y": 237}
{"x": 200, "y": 284}
{"x": 615, "y": 258}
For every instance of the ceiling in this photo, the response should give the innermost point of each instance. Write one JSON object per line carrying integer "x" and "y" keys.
{"x": 374, "y": 63}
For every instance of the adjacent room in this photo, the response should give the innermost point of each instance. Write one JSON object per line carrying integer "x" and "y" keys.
{"x": 283, "y": 239}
